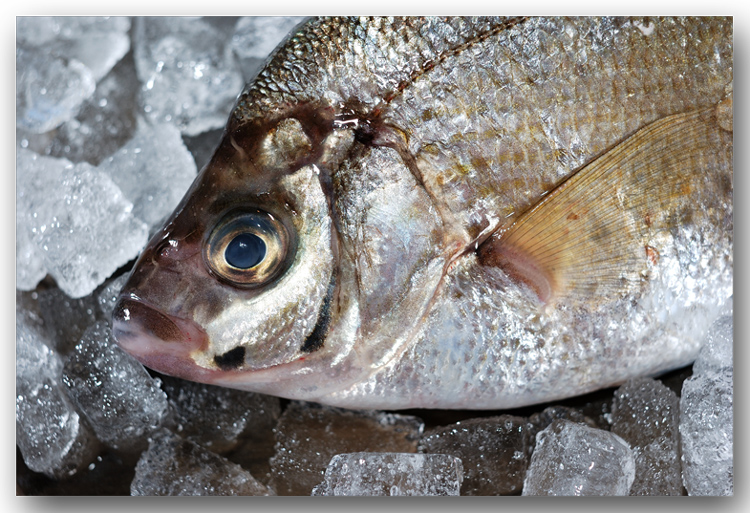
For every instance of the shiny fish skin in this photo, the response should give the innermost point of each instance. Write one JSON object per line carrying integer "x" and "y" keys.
{"x": 407, "y": 157}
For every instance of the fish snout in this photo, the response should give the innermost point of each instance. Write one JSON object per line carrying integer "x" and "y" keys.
{"x": 157, "y": 340}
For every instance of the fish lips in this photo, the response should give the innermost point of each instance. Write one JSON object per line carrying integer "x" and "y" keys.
{"x": 159, "y": 341}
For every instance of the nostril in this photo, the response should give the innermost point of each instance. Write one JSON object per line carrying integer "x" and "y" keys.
{"x": 173, "y": 249}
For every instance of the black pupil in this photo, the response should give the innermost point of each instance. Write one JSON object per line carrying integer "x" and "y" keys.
{"x": 245, "y": 251}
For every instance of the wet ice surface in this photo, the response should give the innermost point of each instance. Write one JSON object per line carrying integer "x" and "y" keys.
{"x": 154, "y": 151}
{"x": 391, "y": 474}
{"x": 52, "y": 437}
{"x": 102, "y": 156}
{"x": 573, "y": 459}
{"x": 646, "y": 414}
{"x": 62, "y": 59}
{"x": 175, "y": 466}
{"x": 308, "y": 436}
{"x": 189, "y": 73}
{"x": 219, "y": 418}
{"x": 495, "y": 452}
{"x": 76, "y": 222}
{"x": 121, "y": 401}
{"x": 706, "y": 416}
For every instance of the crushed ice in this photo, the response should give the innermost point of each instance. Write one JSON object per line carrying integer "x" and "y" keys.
{"x": 112, "y": 116}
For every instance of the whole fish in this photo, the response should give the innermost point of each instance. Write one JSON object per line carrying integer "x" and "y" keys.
{"x": 453, "y": 213}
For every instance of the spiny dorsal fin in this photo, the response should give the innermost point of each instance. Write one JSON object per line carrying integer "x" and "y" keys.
{"x": 590, "y": 236}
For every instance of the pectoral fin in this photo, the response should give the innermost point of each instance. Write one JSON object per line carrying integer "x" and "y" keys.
{"x": 591, "y": 236}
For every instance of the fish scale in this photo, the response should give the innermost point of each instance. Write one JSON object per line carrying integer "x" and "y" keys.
{"x": 485, "y": 213}
{"x": 543, "y": 110}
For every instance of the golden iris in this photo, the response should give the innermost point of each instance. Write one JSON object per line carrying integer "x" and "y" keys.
{"x": 248, "y": 248}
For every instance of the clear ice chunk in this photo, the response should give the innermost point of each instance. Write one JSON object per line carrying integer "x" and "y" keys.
{"x": 82, "y": 227}
{"x": 574, "y": 459}
{"x": 53, "y": 439}
{"x": 309, "y": 435}
{"x": 30, "y": 268}
{"x": 544, "y": 418}
{"x": 121, "y": 401}
{"x": 495, "y": 452}
{"x": 190, "y": 76}
{"x": 717, "y": 351}
{"x": 98, "y": 52}
{"x": 645, "y": 413}
{"x": 38, "y": 30}
{"x": 706, "y": 428}
{"x": 107, "y": 298}
{"x": 707, "y": 416}
{"x": 153, "y": 170}
{"x": 49, "y": 89}
{"x": 255, "y": 37}
{"x": 391, "y": 474}
{"x": 66, "y": 318}
{"x": 59, "y": 61}
{"x": 34, "y": 354}
{"x": 105, "y": 122}
{"x": 217, "y": 417}
{"x": 175, "y": 466}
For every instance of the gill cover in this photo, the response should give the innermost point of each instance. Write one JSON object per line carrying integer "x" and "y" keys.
{"x": 241, "y": 271}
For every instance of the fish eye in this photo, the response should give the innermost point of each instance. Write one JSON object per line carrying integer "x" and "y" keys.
{"x": 248, "y": 248}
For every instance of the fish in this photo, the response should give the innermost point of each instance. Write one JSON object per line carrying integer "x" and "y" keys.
{"x": 454, "y": 213}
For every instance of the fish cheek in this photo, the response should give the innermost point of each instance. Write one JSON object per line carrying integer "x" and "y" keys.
{"x": 268, "y": 325}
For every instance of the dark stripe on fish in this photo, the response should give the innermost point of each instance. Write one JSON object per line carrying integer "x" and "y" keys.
{"x": 314, "y": 340}
{"x": 231, "y": 359}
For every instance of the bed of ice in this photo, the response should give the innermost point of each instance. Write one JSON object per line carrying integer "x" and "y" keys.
{"x": 114, "y": 117}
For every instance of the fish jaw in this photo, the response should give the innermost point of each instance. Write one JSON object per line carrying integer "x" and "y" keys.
{"x": 157, "y": 340}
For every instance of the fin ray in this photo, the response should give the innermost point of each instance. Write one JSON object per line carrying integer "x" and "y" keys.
{"x": 592, "y": 234}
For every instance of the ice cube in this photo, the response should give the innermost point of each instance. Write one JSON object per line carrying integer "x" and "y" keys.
{"x": 49, "y": 89}
{"x": 121, "y": 401}
{"x": 706, "y": 428}
{"x": 153, "y": 170}
{"x": 35, "y": 354}
{"x": 105, "y": 122}
{"x": 66, "y": 318}
{"x": 79, "y": 222}
{"x": 108, "y": 296}
{"x": 255, "y": 37}
{"x": 646, "y": 414}
{"x": 391, "y": 474}
{"x": 98, "y": 52}
{"x": 716, "y": 353}
{"x": 38, "y": 30}
{"x": 190, "y": 76}
{"x": 544, "y": 418}
{"x": 495, "y": 452}
{"x": 217, "y": 417}
{"x": 309, "y": 435}
{"x": 175, "y": 466}
{"x": 30, "y": 268}
{"x": 574, "y": 459}
{"x": 53, "y": 439}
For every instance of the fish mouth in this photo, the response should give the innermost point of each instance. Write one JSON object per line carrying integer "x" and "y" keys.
{"x": 159, "y": 341}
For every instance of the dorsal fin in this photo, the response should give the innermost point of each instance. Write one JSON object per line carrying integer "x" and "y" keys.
{"x": 590, "y": 236}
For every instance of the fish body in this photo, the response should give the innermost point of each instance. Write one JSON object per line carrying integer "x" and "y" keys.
{"x": 453, "y": 213}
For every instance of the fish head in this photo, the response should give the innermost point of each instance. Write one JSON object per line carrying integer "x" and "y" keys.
{"x": 238, "y": 279}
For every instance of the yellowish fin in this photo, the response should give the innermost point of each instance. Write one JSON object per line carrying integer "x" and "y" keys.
{"x": 591, "y": 236}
